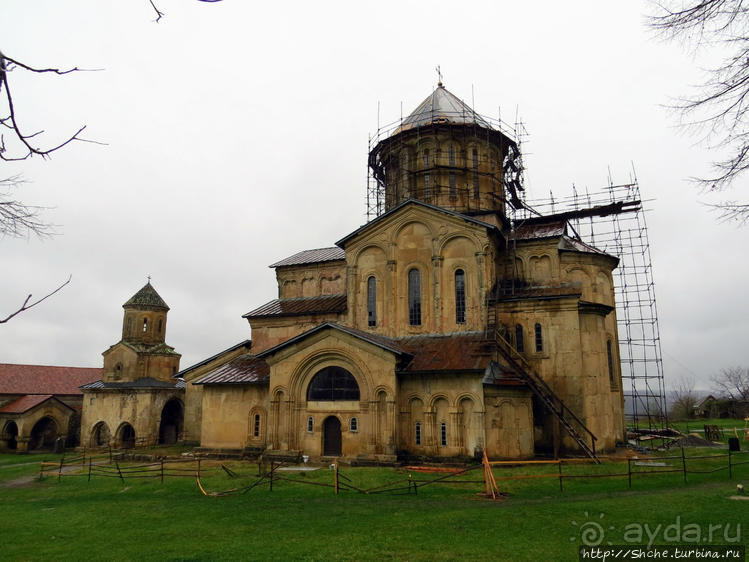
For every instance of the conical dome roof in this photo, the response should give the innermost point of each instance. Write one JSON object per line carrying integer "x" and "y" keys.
{"x": 146, "y": 297}
{"x": 442, "y": 106}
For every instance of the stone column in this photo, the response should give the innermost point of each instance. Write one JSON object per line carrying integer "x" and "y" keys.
{"x": 437, "y": 312}
{"x": 352, "y": 287}
{"x": 392, "y": 429}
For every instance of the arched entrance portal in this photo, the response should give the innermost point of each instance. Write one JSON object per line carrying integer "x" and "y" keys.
{"x": 171, "y": 422}
{"x": 331, "y": 437}
{"x": 127, "y": 436}
{"x": 10, "y": 435}
{"x": 43, "y": 434}
{"x": 100, "y": 435}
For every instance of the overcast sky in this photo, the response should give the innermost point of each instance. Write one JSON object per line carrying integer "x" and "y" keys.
{"x": 237, "y": 135}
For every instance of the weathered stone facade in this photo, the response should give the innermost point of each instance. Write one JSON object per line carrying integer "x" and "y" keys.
{"x": 437, "y": 329}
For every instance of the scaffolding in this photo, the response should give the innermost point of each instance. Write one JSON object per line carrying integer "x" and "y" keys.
{"x": 612, "y": 219}
{"x": 505, "y": 178}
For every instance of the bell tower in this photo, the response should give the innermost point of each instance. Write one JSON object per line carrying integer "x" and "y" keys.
{"x": 145, "y": 317}
{"x": 142, "y": 353}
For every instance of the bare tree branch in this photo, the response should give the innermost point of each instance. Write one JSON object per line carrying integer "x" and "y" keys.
{"x": 11, "y": 122}
{"x": 27, "y": 304}
{"x": 18, "y": 219}
{"x": 719, "y": 108}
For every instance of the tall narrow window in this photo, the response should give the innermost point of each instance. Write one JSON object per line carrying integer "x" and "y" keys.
{"x": 145, "y": 324}
{"x": 353, "y": 425}
{"x": 160, "y": 325}
{"x": 460, "y": 297}
{"x": 519, "y": 338}
{"x": 427, "y": 176}
{"x": 451, "y": 161}
{"x": 417, "y": 435}
{"x": 310, "y": 424}
{"x": 256, "y": 426}
{"x": 371, "y": 302}
{"x": 475, "y": 154}
{"x": 610, "y": 357}
{"x": 414, "y": 297}
{"x": 539, "y": 339}
{"x": 129, "y": 325}
{"x": 443, "y": 434}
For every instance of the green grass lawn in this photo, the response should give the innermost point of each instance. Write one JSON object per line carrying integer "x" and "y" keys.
{"x": 142, "y": 519}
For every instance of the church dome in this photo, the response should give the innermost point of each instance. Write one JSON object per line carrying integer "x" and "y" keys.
{"x": 442, "y": 106}
{"x": 147, "y": 297}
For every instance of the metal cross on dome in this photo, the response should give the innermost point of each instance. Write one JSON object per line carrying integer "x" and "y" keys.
{"x": 439, "y": 75}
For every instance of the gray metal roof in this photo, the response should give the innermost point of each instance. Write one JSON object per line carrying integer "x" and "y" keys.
{"x": 146, "y": 382}
{"x": 245, "y": 369}
{"x": 312, "y": 256}
{"x": 323, "y": 304}
{"x": 442, "y": 106}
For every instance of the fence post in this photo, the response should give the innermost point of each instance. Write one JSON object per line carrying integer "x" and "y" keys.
{"x": 335, "y": 464}
{"x": 162, "y": 471}
{"x": 89, "y": 469}
{"x": 59, "y": 473}
{"x": 271, "y": 475}
{"x": 629, "y": 471}
{"x": 198, "y": 468}
{"x": 730, "y": 467}
{"x": 117, "y": 464}
{"x": 559, "y": 464}
{"x": 684, "y": 464}
{"x": 110, "y": 453}
{"x": 41, "y": 470}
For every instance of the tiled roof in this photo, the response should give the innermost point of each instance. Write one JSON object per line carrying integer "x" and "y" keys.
{"x": 160, "y": 348}
{"x": 146, "y": 382}
{"x": 374, "y": 339}
{"x": 312, "y": 256}
{"x": 147, "y": 297}
{"x": 25, "y": 403}
{"x": 44, "y": 379}
{"x": 245, "y": 369}
{"x": 325, "y": 304}
{"x": 455, "y": 352}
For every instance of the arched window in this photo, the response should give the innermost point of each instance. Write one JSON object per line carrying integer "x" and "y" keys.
{"x": 118, "y": 371}
{"x": 417, "y": 435}
{"x": 256, "y": 426}
{"x": 519, "y": 344}
{"x": 539, "y": 339}
{"x": 371, "y": 301}
{"x": 414, "y": 297}
{"x": 353, "y": 425}
{"x": 475, "y": 155}
{"x": 610, "y": 357}
{"x": 158, "y": 329}
{"x": 145, "y": 324}
{"x": 310, "y": 424}
{"x": 333, "y": 383}
{"x": 443, "y": 434}
{"x": 460, "y": 297}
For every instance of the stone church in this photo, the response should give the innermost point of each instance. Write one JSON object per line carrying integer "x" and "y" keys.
{"x": 438, "y": 329}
